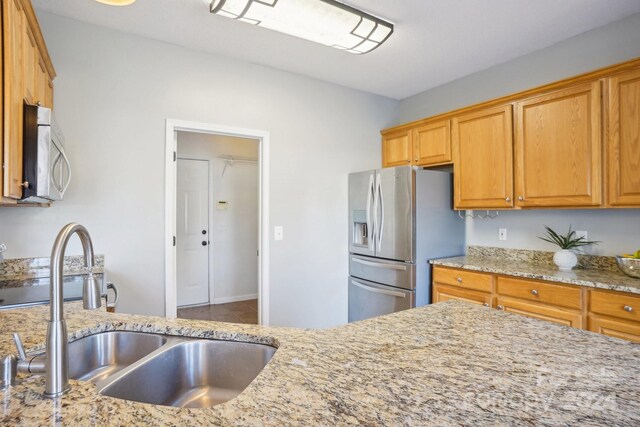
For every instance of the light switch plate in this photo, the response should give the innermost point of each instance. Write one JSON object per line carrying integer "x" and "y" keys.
{"x": 502, "y": 234}
{"x": 278, "y": 232}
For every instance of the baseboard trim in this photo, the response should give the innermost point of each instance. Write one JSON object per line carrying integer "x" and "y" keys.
{"x": 224, "y": 300}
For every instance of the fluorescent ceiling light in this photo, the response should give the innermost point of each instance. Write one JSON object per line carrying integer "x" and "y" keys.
{"x": 116, "y": 2}
{"x": 327, "y": 22}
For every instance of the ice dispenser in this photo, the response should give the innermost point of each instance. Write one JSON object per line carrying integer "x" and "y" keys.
{"x": 360, "y": 229}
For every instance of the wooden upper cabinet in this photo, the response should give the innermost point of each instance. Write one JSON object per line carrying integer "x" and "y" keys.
{"x": 397, "y": 148}
{"x": 623, "y": 138}
{"x": 558, "y": 148}
{"x": 483, "y": 158}
{"x": 13, "y": 22}
{"x": 432, "y": 143}
{"x": 27, "y": 75}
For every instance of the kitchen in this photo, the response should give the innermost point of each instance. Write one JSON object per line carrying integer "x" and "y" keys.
{"x": 113, "y": 116}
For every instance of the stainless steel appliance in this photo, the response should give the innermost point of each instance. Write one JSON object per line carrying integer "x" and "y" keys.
{"x": 46, "y": 168}
{"x": 399, "y": 218}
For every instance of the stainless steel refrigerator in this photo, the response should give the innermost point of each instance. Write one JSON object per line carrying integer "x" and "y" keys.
{"x": 399, "y": 218}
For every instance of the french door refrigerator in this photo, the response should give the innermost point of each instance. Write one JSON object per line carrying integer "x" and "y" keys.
{"x": 399, "y": 218}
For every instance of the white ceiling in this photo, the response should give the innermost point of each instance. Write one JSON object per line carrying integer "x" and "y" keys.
{"x": 435, "y": 41}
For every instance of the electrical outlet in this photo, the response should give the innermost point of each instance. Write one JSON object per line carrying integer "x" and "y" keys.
{"x": 581, "y": 233}
{"x": 502, "y": 234}
{"x": 278, "y": 232}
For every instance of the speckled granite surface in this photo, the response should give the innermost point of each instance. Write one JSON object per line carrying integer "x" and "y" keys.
{"x": 514, "y": 263}
{"x": 32, "y": 268}
{"x": 585, "y": 261}
{"x": 446, "y": 364}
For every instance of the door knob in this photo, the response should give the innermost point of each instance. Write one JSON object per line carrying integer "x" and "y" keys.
{"x": 204, "y": 243}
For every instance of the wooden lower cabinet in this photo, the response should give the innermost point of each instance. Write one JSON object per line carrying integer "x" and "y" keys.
{"x": 443, "y": 293}
{"x": 615, "y": 328}
{"x": 612, "y": 313}
{"x": 540, "y": 311}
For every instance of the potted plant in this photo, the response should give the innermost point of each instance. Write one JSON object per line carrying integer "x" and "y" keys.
{"x": 566, "y": 258}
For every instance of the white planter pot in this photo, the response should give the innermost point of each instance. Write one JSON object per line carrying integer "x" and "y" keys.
{"x": 565, "y": 259}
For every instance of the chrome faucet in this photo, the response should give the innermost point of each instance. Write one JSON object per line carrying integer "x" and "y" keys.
{"x": 56, "y": 364}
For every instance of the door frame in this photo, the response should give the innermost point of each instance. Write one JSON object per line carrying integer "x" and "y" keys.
{"x": 171, "y": 150}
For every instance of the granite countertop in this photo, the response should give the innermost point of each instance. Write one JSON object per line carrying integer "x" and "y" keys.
{"x": 445, "y": 364}
{"x": 590, "y": 277}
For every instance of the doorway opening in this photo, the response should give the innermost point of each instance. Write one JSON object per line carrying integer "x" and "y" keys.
{"x": 216, "y": 223}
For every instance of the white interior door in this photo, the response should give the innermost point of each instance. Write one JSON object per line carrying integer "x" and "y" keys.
{"x": 193, "y": 232}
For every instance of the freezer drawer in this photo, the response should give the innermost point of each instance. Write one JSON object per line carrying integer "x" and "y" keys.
{"x": 393, "y": 273}
{"x": 368, "y": 299}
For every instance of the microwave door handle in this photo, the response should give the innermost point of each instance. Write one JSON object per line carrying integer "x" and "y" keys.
{"x": 66, "y": 161}
{"x": 58, "y": 186}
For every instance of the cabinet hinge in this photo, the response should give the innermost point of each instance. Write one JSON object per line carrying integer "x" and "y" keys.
{"x": 175, "y": 156}
{"x": 174, "y": 240}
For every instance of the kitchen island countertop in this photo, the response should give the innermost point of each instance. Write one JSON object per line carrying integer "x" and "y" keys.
{"x": 446, "y": 364}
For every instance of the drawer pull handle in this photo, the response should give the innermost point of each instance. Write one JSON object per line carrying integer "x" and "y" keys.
{"x": 459, "y": 279}
{"x": 628, "y": 308}
{"x": 534, "y": 292}
{"x": 500, "y": 307}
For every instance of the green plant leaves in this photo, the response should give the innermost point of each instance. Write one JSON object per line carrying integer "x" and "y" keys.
{"x": 568, "y": 241}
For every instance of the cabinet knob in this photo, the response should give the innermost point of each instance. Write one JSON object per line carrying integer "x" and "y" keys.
{"x": 628, "y": 308}
{"x": 507, "y": 199}
{"x": 25, "y": 184}
{"x": 521, "y": 198}
{"x": 500, "y": 307}
{"x": 486, "y": 304}
{"x": 534, "y": 292}
{"x": 459, "y": 279}
{"x": 408, "y": 161}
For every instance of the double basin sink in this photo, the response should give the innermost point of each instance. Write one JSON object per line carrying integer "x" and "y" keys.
{"x": 166, "y": 370}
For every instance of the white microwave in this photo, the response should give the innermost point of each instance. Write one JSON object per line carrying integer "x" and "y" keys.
{"x": 46, "y": 168}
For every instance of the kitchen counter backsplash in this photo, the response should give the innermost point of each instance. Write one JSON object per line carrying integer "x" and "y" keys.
{"x": 33, "y": 268}
{"x": 541, "y": 257}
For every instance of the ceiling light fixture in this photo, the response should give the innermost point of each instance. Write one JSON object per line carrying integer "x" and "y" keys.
{"x": 327, "y": 22}
{"x": 116, "y": 2}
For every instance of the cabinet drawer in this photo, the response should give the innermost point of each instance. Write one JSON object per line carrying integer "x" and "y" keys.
{"x": 443, "y": 293}
{"x": 616, "y": 304}
{"x": 463, "y": 278}
{"x": 615, "y": 328}
{"x": 541, "y": 311}
{"x": 547, "y": 293}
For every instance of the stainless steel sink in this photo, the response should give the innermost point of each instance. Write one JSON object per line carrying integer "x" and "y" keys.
{"x": 96, "y": 357}
{"x": 191, "y": 374}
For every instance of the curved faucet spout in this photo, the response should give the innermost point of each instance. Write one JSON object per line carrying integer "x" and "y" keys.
{"x": 57, "y": 364}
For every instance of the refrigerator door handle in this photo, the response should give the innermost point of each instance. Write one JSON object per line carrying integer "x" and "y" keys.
{"x": 379, "y": 264}
{"x": 381, "y": 218}
{"x": 370, "y": 199}
{"x": 378, "y": 291}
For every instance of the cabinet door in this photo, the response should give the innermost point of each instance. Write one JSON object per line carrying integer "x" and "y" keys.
{"x": 29, "y": 64}
{"x": 396, "y": 149}
{"x": 546, "y": 312}
{"x": 558, "y": 148}
{"x": 483, "y": 159}
{"x": 42, "y": 80}
{"x": 615, "y": 328}
{"x": 624, "y": 139}
{"x": 443, "y": 293}
{"x": 13, "y": 22}
{"x": 432, "y": 143}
